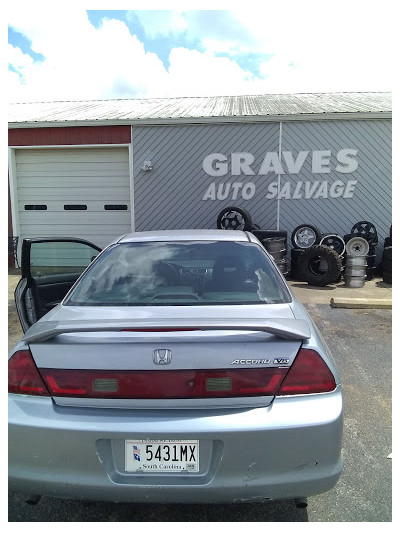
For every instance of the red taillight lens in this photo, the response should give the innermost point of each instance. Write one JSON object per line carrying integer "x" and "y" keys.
{"x": 164, "y": 384}
{"x": 308, "y": 374}
{"x": 23, "y": 376}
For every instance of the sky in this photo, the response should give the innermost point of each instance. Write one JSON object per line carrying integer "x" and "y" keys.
{"x": 265, "y": 47}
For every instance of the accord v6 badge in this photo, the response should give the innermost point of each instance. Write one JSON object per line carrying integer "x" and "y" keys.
{"x": 251, "y": 362}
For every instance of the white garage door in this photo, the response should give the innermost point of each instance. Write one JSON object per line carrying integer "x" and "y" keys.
{"x": 78, "y": 192}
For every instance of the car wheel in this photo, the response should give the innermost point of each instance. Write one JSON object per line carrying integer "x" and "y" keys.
{"x": 367, "y": 231}
{"x": 334, "y": 242}
{"x": 305, "y": 236}
{"x": 357, "y": 246}
{"x": 234, "y": 218}
{"x": 320, "y": 265}
{"x": 275, "y": 245}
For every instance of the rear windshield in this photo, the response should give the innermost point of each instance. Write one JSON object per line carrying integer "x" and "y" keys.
{"x": 180, "y": 273}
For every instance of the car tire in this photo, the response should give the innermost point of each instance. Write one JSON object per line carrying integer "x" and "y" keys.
{"x": 305, "y": 236}
{"x": 387, "y": 259}
{"x": 335, "y": 242}
{"x": 387, "y": 265}
{"x": 388, "y": 242}
{"x": 387, "y": 277}
{"x": 320, "y": 266}
{"x": 295, "y": 262}
{"x": 234, "y": 218}
{"x": 366, "y": 230}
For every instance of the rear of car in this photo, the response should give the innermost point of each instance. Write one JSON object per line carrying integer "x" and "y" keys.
{"x": 176, "y": 370}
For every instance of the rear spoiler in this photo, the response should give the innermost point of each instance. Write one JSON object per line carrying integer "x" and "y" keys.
{"x": 284, "y": 328}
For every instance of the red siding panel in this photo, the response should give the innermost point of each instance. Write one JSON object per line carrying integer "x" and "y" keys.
{"x": 69, "y": 136}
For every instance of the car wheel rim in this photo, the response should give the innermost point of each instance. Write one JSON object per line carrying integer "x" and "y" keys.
{"x": 305, "y": 237}
{"x": 357, "y": 246}
{"x": 233, "y": 220}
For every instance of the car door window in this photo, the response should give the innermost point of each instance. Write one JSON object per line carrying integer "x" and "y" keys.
{"x": 58, "y": 257}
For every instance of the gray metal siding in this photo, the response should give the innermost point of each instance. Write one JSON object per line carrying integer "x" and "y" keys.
{"x": 170, "y": 196}
{"x": 372, "y": 194}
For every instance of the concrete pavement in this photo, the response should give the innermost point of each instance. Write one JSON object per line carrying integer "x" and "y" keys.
{"x": 374, "y": 295}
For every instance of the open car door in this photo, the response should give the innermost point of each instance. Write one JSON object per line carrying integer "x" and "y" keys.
{"x": 49, "y": 268}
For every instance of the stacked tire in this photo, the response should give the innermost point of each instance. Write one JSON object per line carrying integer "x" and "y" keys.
{"x": 317, "y": 264}
{"x": 387, "y": 259}
{"x": 303, "y": 237}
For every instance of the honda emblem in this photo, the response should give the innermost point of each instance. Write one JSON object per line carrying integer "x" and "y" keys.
{"x": 162, "y": 357}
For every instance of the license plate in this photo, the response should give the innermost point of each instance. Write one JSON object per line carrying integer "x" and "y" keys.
{"x": 161, "y": 455}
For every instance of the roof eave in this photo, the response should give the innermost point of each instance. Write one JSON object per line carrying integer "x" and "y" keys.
{"x": 205, "y": 120}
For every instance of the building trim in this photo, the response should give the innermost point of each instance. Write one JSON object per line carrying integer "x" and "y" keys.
{"x": 131, "y": 183}
{"x": 69, "y": 135}
{"x": 12, "y": 173}
{"x": 55, "y": 146}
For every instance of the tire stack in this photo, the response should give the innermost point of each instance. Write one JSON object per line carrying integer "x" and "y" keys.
{"x": 317, "y": 264}
{"x": 276, "y": 247}
{"x": 366, "y": 230}
{"x": 387, "y": 259}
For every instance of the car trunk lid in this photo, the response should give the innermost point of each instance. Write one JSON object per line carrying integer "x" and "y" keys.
{"x": 155, "y": 361}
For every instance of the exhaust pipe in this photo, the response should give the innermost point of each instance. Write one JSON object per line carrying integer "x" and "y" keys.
{"x": 33, "y": 499}
{"x": 301, "y": 503}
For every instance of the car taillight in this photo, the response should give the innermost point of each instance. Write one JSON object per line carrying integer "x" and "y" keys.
{"x": 23, "y": 376}
{"x": 308, "y": 374}
{"x": 163, "y": 384}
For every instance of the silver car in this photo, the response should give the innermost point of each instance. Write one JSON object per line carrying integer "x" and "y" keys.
{"x": 177, "y": 368}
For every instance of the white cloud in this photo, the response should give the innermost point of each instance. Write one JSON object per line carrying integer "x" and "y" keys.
{"x": 312, "y": 51}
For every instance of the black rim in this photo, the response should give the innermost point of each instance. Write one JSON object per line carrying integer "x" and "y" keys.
{"x": 233, "y": 220}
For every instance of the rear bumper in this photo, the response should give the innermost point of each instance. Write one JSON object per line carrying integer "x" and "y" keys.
{"x": 287, "y": 450}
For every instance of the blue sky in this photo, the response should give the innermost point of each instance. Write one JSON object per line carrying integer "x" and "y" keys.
{"x": 288, "y": 47}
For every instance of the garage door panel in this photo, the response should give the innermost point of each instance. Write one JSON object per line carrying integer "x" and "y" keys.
{"x": 81, "y": 182}
{"x": 43, "y": 195}
{"x": 84, "y": 155}
{"x": 96, "y": 179}
{"x": 71, "y": 168}
{"x": 70, "y": 218}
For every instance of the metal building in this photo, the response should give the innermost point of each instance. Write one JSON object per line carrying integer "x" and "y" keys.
{"x": 97, "y": 169}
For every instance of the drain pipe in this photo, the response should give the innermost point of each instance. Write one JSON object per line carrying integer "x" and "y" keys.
{"x": 301, "y": 503}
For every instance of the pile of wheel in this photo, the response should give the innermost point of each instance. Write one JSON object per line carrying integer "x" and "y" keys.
{"x": 276, "y": 247}
{"x": 387, "y": 259}
{"x": 356, "y": 262}
{"x": 367, "y": 231}
{"x": 316, "y": 258}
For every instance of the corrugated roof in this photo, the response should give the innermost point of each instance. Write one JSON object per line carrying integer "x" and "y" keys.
{"x": 164, "y": 110}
